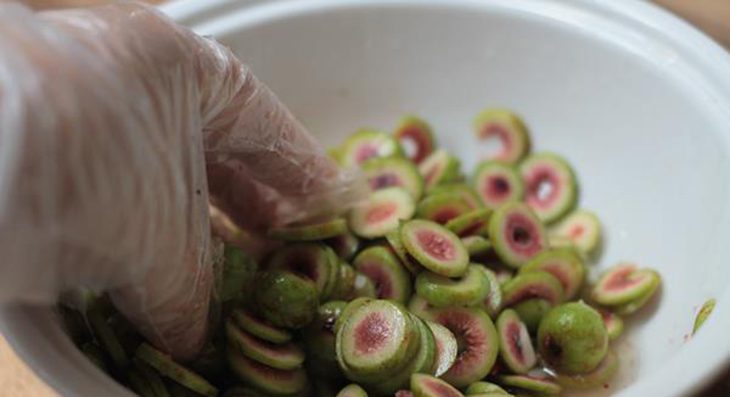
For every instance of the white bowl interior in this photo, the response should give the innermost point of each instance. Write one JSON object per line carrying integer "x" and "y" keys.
{"x": 640, "y": 116}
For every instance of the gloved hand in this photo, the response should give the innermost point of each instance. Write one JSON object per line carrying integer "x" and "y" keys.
{"x": 116, "y": 129}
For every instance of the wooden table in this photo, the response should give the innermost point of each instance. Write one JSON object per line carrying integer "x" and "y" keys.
{"x": 17, "y": 380}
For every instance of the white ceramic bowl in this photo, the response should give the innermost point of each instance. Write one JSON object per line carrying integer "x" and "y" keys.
{"x": 636, "y": 99}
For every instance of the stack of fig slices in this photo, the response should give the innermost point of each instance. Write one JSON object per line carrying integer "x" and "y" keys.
{"x": 437, "y": 284}
{"x": 507, "y": 246}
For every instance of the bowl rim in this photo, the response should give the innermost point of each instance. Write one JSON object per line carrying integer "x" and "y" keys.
{"x": 706, "y": 63}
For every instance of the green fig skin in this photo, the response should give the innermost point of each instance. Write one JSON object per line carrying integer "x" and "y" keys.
{"x": 572, "y": 338}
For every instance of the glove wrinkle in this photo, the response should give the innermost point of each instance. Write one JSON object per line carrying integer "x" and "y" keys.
{"x": 117, "y": 129}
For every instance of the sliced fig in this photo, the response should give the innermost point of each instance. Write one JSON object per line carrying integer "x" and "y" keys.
{"x": 497, "y": 183}
{"x": 265, "y": 378}
{"x": 473, "y": 223}
{"x": 107, "y": 336}
{"x": 350, "y": 308}
{"x": 635, "y": 305}
{"x": 286, "y": 299}
{"x": 377, "y": 337}
{"x": 550, "y": 186}
{"x": 517, "y": 234}
{"x": 531, "y": 383}
{"x": 468, "y": 195}
{"x": 438, "y": 168}
{"x": 446, "y": 348}
{"x": 380, "y": 264}
{"x": 345, "y": 284}
{"x": 477, "y": 341}
{"x": 281, "y": 356}
{"x": 508, "y": 128}
{"x": 352, "y": 390}
{"x": 239, "y": 273}
{"x": 403, "y": 393}
{"x": 423, "y": 385}
{"x": 572, "y": 338}
{"x": 441, "y": 291}
{"x": 314, "y": 261}
{"x": 420, "y": 307}
{"x": 318, "y": 339}
{"x": 492, "y": 303}
{"x": 382, "y": 212}
{"x": 363, "y": 287}
{"x": 564, "y": 264}
{"x": 260, "y": 328}
{"x": 435, "y": 247}
{"x": 476, "y": 246}
{"x": 534, "y": 284}
{"x": 423, "y": 362}
{"x": 166, "y": 366}
{"x": 345, "y": 245}
{"x": 415, "y": 137}
{"x": 531, "y": 311}
{"x": 483, "y": 387}
{"x": 443, "y": 207}
{"x": 367, "y": 144}
{"x": 310, "y": 232}
{"x": 613, "y": 322}
{"x": 625, "y": 283}
{"x": 583, "y": 229}
{"x": 394, "y": 239}
{"x": 515, "y": 345}
{"x": 382, "y": 173}
{"x": 601, "y": 376}
{"x": 703, "y": 314}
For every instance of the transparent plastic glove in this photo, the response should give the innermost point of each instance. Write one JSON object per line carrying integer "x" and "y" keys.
{"x": 114, "y": 122}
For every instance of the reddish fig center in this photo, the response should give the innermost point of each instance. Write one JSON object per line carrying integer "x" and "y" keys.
{"x": 366, "y": 152}
{"x": 515, "y": 338}
{"x": 383, "y": 283}
{"x": 430, "y": 174}
{"x": 471, "y": 229}
{"x": 622, "y": 279}
{"x": 372, "y": 333}
{"x": 606, "y": 316}
{"x": 381, "y": 212}
{"x": 543, "y": 187}
{"x": 436, "y": 245}
{"x": 576, "y": 232}
{"x": 559, "y": 272}
{"x": 445, "y": 214}
{"x": 521, "y": 233}
{"x": 470, "y": 338}
{"x": 440, "y": 389}
{"x": 415, "y": 146}
{"x": 385, "y": 180}
{"x": 534, "y": 290}
{"x": 491, "y": 130}
{"x": 498, "y": 188}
